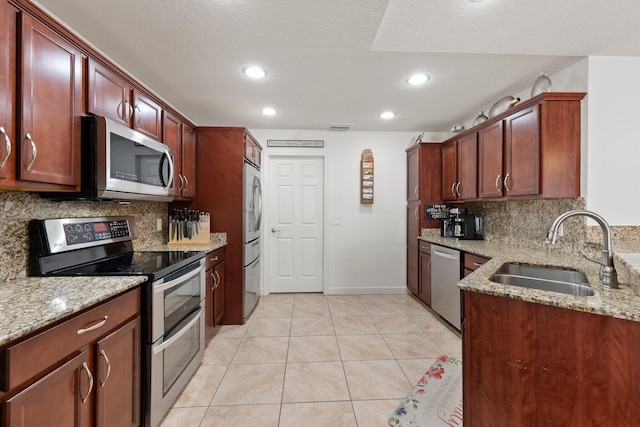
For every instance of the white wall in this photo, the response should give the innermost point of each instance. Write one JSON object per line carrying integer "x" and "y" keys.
{"x": 614, "y": 143}
{"x": 366, "y": 252}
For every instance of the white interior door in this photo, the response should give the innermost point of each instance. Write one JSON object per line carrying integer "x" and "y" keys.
{"x": 295, "y": 198}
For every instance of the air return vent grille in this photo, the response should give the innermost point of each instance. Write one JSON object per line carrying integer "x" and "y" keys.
{"x": 339, "y": 126}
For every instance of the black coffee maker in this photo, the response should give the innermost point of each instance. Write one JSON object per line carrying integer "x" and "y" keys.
{"x": 462, "y": 225}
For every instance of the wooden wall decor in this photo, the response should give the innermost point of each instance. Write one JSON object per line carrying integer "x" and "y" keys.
{"x": 366, "y": 177}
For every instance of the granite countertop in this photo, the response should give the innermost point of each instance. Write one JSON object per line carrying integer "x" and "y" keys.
{"x": 32, "y": 303}
{"x": 623, "y": 303}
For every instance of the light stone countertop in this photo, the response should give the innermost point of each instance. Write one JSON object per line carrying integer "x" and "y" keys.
{"x": 32, "y": 303}
{"x": 621, "y": 303}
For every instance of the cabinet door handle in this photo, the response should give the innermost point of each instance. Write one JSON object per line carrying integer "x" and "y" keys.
{"x": 415, "y": 191}
{"x": 415, "y": 213}
{"x": 186, "y": 183}
{"x": 213, "y": 277}
{"x": 506, "y": 179}
{"x": 498, "y": 183}
{"x": 181, "y": 182}
{"x": 458, "y": 189}
{"x": 128, "y": 114}
{"x": 453, "y": 189}
{"x": 108, "y": 362}
{"x": 216, "y": 281}
{"x": 34, "y": 152}
{"x": 93, "y": 327}
{"x": 8, "y": 142}
{"x": 86, "y": 369}
{"x": 138, "y": 115}
{"x": 429, "y": 266}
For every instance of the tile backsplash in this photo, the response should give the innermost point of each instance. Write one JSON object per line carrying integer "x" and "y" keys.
{"x": 18, "y": 208}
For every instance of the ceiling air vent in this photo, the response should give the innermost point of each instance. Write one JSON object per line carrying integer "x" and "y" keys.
{"x": 339, "y": 126}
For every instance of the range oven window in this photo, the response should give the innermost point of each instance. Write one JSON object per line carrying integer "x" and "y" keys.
{"x": 175, "y": 298}
{"x": 177, "y": 356}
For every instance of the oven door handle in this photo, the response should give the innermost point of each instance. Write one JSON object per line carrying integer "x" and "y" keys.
{"x": 177, "y": 336}
{"x": 167, "y": 285}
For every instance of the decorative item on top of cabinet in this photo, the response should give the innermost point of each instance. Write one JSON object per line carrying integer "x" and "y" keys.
{"x": 366, "y": 177}
{"x": 502, "y": 105}
{"x": 480, "y": 119}
{"x": 542, "y": 84}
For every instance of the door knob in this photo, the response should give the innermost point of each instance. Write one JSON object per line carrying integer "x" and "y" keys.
{"x": 274, "y": 230}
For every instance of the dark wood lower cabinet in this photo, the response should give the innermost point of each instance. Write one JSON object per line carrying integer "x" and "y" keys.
{"x": 215, "y": 267}
{"x": 424, "y": 269}
{"x": 528, "y": 364}
{"x": 85, "y": 371}
{"x": 56, "y": 399}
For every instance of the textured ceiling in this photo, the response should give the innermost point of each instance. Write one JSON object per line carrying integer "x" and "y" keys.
{"x": 345, "y": 61}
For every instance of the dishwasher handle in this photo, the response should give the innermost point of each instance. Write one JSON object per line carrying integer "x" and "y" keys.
{"x": 442, "y": 254}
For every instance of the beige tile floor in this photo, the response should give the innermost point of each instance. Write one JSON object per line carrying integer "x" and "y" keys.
{"x": 315, "y": 360}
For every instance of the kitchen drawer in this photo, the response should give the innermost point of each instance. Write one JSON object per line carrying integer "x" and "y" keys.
{"x": 36, "y": 355}
{"x": 424, "y": 247}
{"x": 214, "y": 258}
{"x": 472, "y": 262}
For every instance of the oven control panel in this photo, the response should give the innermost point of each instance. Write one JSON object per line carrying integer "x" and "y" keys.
{"x": 95, "y": 231}
{"x": 65, "y": 234}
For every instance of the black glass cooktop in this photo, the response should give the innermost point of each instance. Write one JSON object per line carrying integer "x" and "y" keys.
{"x": 154, "y": 264}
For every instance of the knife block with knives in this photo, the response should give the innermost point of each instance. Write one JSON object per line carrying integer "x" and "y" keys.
{"x": 188, "y": 227}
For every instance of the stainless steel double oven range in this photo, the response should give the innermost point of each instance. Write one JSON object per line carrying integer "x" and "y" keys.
{"x": 173, "y": 307}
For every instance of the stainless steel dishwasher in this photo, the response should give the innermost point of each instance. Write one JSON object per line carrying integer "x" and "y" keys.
{"x": 445, "y": 274}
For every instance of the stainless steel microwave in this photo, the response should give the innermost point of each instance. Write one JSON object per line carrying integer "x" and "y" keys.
{"x": 119, "y": 163}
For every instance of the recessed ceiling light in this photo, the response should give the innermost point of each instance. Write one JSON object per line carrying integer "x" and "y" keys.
{"x": 387, "y": 115}
{"x": 268, "y": 111}
{"x": 418, "y": 79}
{"x": 255, "y": 72}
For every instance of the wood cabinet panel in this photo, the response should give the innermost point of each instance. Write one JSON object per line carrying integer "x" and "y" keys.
{"x": 522, "y": 153}
{"x": 56, "y": 399}
{"x": 528, "y": 364}
{"x": 118, "y": 376}
{"x": 147, "y": 115}
{"x": 467, "y": 167}
{"x": 490, "y": 155}
{"x": 449, "y": 171}
{"x": 215, "y": 273}
{"x": 7, "y": 93}
{"x": 424, "y": 272}
{"x": 189, "y": 162}
{"x": 51, "y": 106}
{"x": 108, "y": 94}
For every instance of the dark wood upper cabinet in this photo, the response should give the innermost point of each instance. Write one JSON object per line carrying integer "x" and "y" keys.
{"x": 459, "y": 168}
{"x": 530, "y": 151}
{"x": 112, "y": 96}
{"x": 7, "y": 93}
{"x": 51, "y": 106}
{"x": 147, "y": 115}
{"x": 490, "y": 156}
{"x": 189, "y": 162}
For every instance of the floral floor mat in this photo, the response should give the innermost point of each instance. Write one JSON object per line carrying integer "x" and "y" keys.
{"x": 436, "y": 400}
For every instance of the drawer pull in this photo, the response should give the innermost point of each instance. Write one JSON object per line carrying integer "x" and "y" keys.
{"x": 106, "y": 359}
{"x": 93, "y": 327}
{"x": 215, "y": 258}
{"x": 86, "y": 368}
{"x": 477, "y": 264}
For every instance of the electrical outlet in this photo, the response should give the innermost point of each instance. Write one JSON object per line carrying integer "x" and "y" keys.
{"x": 159, "y": 224}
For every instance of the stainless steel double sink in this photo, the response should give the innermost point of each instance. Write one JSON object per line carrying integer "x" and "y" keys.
{"x": 553, "y": 279}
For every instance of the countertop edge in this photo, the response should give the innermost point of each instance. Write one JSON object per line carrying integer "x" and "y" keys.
{"x": 621, "y": 303}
